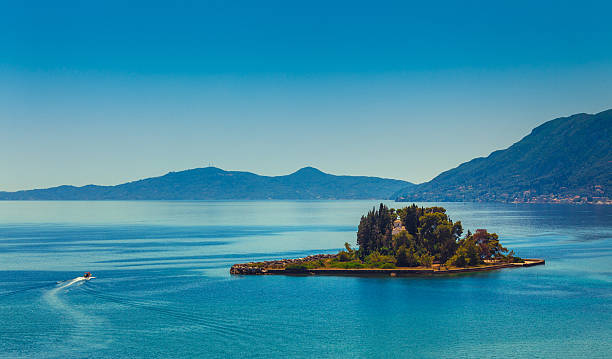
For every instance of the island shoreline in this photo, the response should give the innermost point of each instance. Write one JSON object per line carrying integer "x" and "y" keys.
{"x": 249, "y": 269}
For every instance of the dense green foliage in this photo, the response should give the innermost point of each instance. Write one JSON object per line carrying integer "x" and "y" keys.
{"x": 564, "y": 157}
{"x": 214, "y": 183}
{"x": 429, "y": 235}
{"x": 296, "y": 267}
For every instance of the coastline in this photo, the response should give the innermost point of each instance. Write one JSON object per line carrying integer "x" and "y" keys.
{"x": 250, "y": 269}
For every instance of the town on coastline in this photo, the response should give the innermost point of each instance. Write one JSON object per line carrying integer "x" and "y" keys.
{"x": 593, "y": 195}
{"x": 409, "y": 240}
{"x": 597, "y": 197}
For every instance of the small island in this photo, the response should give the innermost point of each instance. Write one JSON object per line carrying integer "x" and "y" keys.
{"x": 408, "y": 241}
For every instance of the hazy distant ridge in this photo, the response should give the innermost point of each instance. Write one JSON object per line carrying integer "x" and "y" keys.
{"x": 212, "y": 183}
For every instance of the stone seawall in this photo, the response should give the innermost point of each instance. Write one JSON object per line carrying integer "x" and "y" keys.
{"x": 266, "y": 267}
{"x": 278, "y": 267}
{"x": 532, "y": 262}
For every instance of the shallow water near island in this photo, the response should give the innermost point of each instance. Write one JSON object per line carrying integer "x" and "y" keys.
{"x": 163, "y": 289}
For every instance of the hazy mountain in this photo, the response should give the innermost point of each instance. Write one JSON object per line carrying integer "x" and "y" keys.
{"x": 212, "y": 183}
{"x": 562, "y": 158}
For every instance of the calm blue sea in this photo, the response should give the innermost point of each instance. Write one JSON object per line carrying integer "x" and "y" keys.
{"x": 163, "y": 288}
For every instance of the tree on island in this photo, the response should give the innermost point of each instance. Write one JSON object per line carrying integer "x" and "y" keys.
{"x": 374, "y": 233}
{"x": 429, "y": 235}
{"x": 438, "y": 233}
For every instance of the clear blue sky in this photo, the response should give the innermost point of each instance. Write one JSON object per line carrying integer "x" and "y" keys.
{"x": 109, "y": 91}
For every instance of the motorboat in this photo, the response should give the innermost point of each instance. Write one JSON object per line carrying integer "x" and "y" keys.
{"x": 87, "y": 276}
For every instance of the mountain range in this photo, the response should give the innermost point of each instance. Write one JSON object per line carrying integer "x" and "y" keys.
{"x": 211, "y": 183}
{"x": 567, "y": 159}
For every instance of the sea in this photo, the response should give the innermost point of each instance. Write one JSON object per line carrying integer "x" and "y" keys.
{"x": 162, "y": 287}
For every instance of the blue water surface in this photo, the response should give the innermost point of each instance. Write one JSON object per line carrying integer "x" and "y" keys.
{"x": 163, "y": 289}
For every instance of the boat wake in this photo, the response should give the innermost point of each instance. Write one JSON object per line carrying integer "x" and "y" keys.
{"x": 217, "y": 325}
{"x": 22, "y": 290}
{"x": 77, "y": 280}
{"x": 80, "y": 323}
{"x": 83, "y": 325}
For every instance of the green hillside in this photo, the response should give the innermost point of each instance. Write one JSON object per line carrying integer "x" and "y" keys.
{"x": 562, "y": 158}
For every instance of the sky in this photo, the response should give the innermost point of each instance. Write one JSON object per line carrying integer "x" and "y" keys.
{"x": 106, "y": 92}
